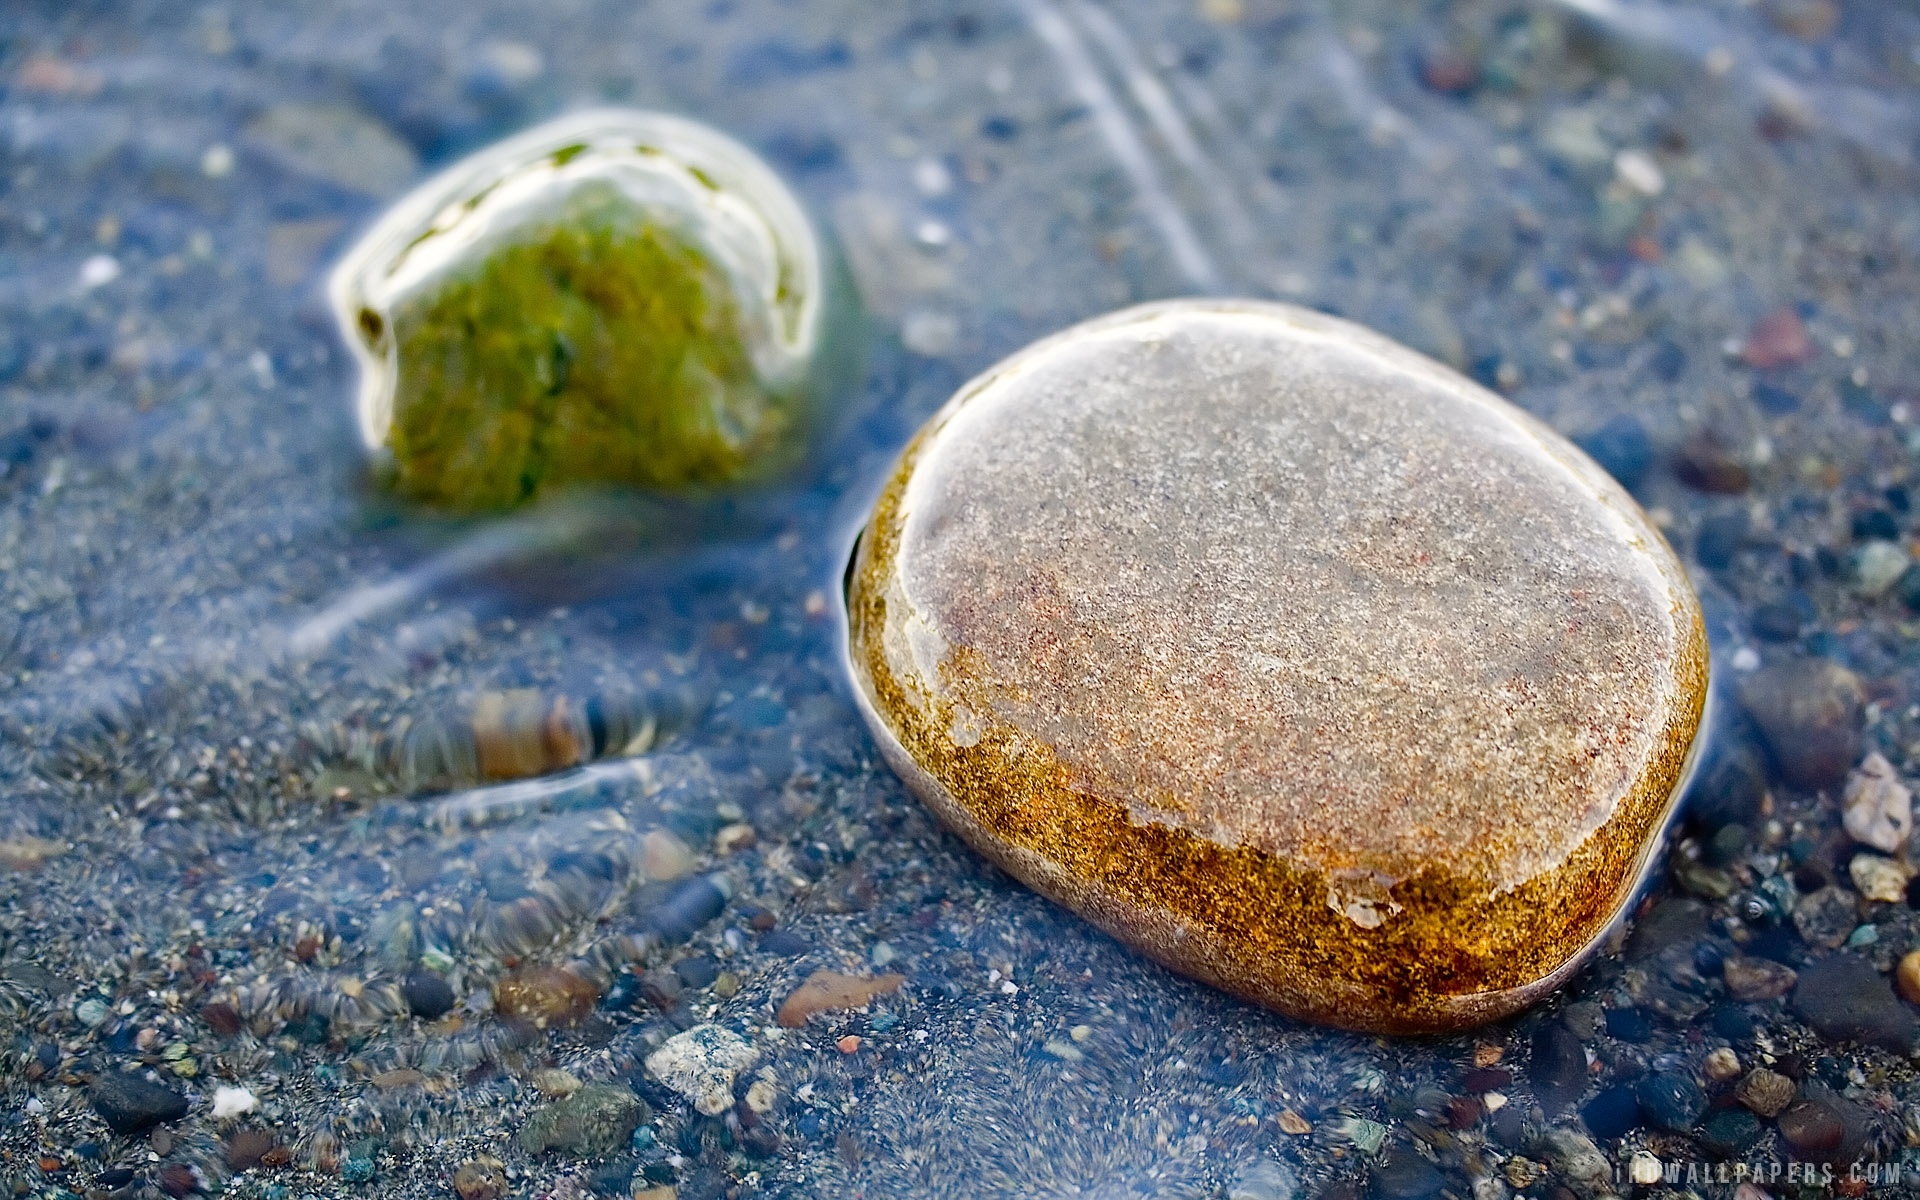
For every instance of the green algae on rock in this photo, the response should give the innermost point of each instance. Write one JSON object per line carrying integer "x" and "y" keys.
{"x": 614, "y": 297}
{"x": 1286, "y": 655}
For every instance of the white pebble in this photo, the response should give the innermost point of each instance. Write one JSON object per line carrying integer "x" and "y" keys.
{"x": 1638, "y": 171}
{"x": 931, "y": 176}
{"x": 931, "y": 334}
{"x": 99, "y": 270}
{"x": 233, "y": 1102}
{"x": 217, "y": 162}
{"x": 1645, "y": 1168}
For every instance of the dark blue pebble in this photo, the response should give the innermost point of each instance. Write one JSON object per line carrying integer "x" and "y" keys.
{"x": 1875, "y": 524}
{"x": 784, "y": 943}
{"x": 687, "y": 909}
{"x": 1773, "y": 400}
{"x": 1733, "y": 1023}
{"x": 1671, "y": 1100}
{"x": 1629, "y": 1025}
{"x": 1558, "y": 1066}
{"x": 1730, "y": 1132}
{"x": 1612, "y": 1113}
{"x": 1622, "y": 448}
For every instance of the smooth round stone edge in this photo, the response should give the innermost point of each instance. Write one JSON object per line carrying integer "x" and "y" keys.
{"x": 1241, "y": 919}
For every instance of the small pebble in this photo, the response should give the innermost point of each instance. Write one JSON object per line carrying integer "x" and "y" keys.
{"x": 1846, "y": 1000}
{"x": 1612, "y": 1113}
{"x": 700, "y": 1063}
{"x": 760, "y": 1096}
{"x": 1906, "y": 976}
{"x": 1293, "y": 1124}
{"x": 830, "y": 991}
{"x": 479, "y": 1180}
{"x": 1766, "y": 1092}
{"x": 1558, "y": 1068}
{"x": 1878, "y": 878}
{"x": 1812, "y": 1127}
{"x": 850, "y": 1044}
{"x": 1826, "y": 916}
{"x": 130, "y": 1104}
{"x": 1644, "y": 1169}
{"x": 1578, "y": 1160}
{"x": 1730, "y": 1132}
{"x": 544, "y": 997}
{"x": 1721, "y": 1064}
{"x": 1750, "y": 979}
{"x": 428, "y": 996}
{"x": 1779, "y": 339}
{"x": 664, "y": 857}
{"x": 1877, "y": 809}
{"x": 1671, "y": 1100}
{"x": 230, "y": 1102}
{"x": 1263, "y": 1178}
{"x": 1809, "y": 711}
{"x": 595, "y": 1120}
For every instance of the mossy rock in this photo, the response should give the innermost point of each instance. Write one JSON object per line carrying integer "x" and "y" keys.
{"x": 613, "y": 298}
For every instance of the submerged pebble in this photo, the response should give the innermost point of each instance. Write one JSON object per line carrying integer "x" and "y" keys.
{"x": 613, "y": 297}
{"x": 701, "y": 1063}
{"x": 130, "y": 1104}
{"x": 1286, "y": 655}
{"x": 595, "y": 1120}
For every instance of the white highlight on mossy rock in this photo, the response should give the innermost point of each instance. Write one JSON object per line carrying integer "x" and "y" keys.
{"x": 692, "y": 180}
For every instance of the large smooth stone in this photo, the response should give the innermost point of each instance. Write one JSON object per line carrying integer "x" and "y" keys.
{"x": 1285, "y": 655}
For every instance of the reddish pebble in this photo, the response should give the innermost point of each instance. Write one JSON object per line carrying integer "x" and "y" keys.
{"x": 249, "y": 1148}
{"x": 222, "y": 1018}
{"x": 1486, "y": 1079}
{"x": 1449, "y": 72}
{"x": 179, "y": 1179}
{"x": 544, "y": 997}
{"x": 1463, "y": 1112}
{"x": 830, "y": 991}
{"x": 1778, "y": 339}
{"x": 850, "y": 1044}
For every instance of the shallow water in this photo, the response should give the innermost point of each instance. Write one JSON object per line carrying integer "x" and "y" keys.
{"x": 213, "y": 634}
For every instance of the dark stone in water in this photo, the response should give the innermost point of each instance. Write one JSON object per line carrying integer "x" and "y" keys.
{"x": 1729, "y": 791}
{"x": 1612, "y": 1113}
{"x": 1776, "y": 622}
{"x": 1846, "y": 999}
{"x": 1629, "y": 1025}
{"x": 1622, "y": 448}
{"x": 697, "y": 972}
{"x": 1671, "y": 1100}
{"x": 427, "y": 994}
{"x": 1558, "y": 1068}
{"x": 1730, "y": 1132}
{"x": 1404, "y": 1175}
{"x": 1875, "y": 524}
{"x": 130, "y": 1104}
{"x": 1720, "y": 538}
{"x": 1813, "y": 1128}
{"x": 1809, "y": 712}
{"x": 689, "y": 907}
{"x": 785, "y": 943}
{"x": 1732, "y": 1022}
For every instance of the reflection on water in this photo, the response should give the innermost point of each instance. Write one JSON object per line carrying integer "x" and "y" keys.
{"x": 275, "y": 836}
